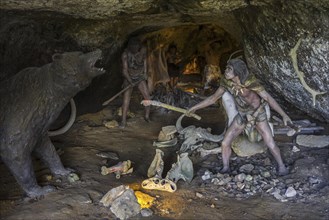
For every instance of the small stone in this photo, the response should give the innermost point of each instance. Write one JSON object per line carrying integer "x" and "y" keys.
{"x": 212, "y": 206}
{"x": 72, "y": 177}
{"x": 267, "y": 162}
{"x": 295, "y": 149}
{"x": 277, "y": 195}
{"x": 248, "y": 178}
{"x": 227, "y": 179}
{"x": 246, "y": 168}
{"x": 239, "y": 195}
{"x": 111, "y": 124}
{"x": 216, "y": 181}
{"x": 146, "y": 212}
{"x": 296, "y": 185}
{"x": 266, "y": 174}
{"x": 313, "y": 180}
{"x": 291, "y": 192}
{"x": 219, "y": 175}
{"x": 240, "y": 177}
{"x": 207, "y": 175}
{"x": 234, "y": 172}
{"x": 267, "y": 187}
{"x": 199, "y": 195}
{"x": 126, "y": 205}
{"x": 240, "y": 185}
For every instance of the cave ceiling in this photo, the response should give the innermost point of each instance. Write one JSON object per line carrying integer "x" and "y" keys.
{"x": 285, "y": 42}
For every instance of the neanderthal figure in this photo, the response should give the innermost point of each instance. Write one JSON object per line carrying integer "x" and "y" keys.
{"x": 134, "y": 71}
{"x": 248, "y": 95}
{"x": 173, "y": 61}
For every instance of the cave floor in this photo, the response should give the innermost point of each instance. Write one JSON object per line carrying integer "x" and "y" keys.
{"x": 197, "y": 200}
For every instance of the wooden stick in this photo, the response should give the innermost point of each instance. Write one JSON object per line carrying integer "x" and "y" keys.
{"x": 122, "y": 91}
{"x": 176, "y": 109}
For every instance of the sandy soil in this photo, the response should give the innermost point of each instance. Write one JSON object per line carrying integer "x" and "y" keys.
{"x": 197, "y": 200}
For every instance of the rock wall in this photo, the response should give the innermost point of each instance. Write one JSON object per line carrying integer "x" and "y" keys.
{"x": 287, "y": 46}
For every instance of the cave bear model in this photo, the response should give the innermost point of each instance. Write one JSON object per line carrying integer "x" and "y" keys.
{"x": 30, "y": 101}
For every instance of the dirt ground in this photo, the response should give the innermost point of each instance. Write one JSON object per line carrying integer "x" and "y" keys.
{"x": 197, "y": 200}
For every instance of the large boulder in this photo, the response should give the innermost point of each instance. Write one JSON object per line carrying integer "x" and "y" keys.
{"x": 244, "y": 148}
{"x": 287, "y": 47}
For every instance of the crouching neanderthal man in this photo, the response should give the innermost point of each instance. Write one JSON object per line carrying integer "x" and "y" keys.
{"x": 248, "y": 95}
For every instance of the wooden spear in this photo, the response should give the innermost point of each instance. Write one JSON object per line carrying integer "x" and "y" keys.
{"x": 170, "y": 107}
{"x": 122, "y": 91}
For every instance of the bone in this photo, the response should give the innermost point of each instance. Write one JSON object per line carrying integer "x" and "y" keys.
{"x": 156, "y": 167}
{"x": 169, "y": 143}
{"x": 204, "y": 152}
{"x": 120, "y": 168}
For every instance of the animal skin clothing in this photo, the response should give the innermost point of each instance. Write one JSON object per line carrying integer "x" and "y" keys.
{"x": 246, "y": 112}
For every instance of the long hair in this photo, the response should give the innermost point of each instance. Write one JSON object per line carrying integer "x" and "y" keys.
{"x": 240, "y": 69}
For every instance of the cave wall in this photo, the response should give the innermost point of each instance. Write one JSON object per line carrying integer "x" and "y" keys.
{"x": 287, "y": 46}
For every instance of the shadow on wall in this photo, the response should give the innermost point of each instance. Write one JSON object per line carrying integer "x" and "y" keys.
{"x": 29, "y": 44}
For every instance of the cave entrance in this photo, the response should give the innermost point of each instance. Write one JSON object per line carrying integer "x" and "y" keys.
{"x": 200, "y": 50}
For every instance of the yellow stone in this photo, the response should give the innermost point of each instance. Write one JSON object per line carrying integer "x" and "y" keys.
{"x": 145, "y": 200}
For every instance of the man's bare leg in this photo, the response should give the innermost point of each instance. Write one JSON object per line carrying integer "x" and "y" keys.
{"x": 125, "y": 106}
{"x": 265, "y": 130}
{"x": 232, "y": 132}
{"x": 142, "y": 86}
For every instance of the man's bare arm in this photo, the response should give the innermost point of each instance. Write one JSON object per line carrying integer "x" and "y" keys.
{"x": 125, "y": 73}
{"x": 208, "y": 101}
{"x": 270, "y": 100}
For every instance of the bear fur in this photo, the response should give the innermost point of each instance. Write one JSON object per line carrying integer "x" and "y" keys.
{"x": 30, "y": 102}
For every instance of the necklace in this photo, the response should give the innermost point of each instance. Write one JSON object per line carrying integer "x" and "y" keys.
{"x": 237, "y": 88}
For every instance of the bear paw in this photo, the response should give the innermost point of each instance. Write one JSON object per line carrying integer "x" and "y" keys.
{"x": 39, "y": 191}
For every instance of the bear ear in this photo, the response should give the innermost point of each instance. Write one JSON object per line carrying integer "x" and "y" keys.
{"x": 57, "y": 56}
